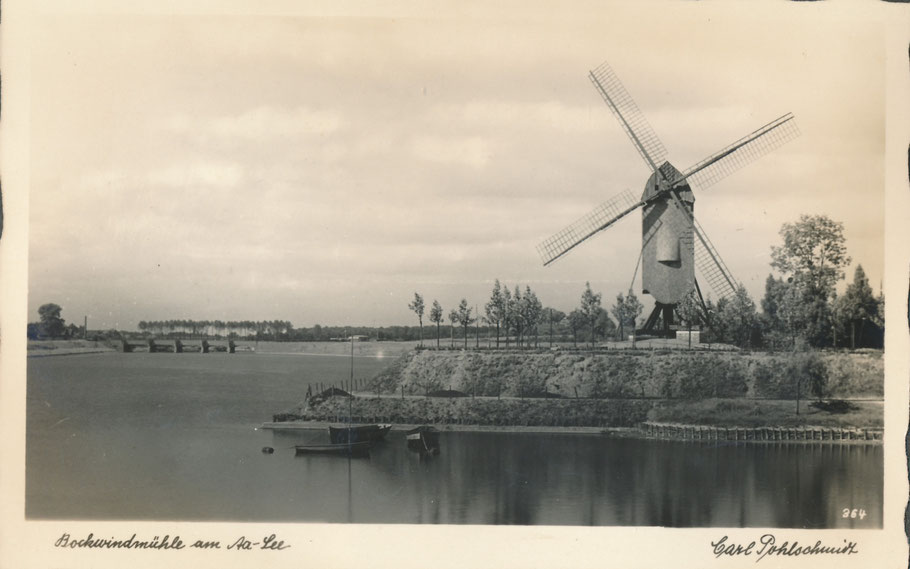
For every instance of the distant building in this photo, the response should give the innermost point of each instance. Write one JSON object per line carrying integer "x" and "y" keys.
{"x": 357, "y": 338}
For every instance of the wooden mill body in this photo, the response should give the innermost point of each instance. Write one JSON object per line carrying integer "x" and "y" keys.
{"x": 668, "y": 255}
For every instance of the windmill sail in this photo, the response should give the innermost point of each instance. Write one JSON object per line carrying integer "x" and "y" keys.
{"x": 630, "y": 117}
{"x": 742, "y": 152}
{"x": 711, "y": 266}
{"x": 603, "y": 216}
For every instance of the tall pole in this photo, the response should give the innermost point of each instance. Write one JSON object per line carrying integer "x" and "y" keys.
{"x": 352, "y": 359}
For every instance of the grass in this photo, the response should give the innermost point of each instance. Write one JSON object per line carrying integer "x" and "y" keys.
{"x": 765, "y": 413}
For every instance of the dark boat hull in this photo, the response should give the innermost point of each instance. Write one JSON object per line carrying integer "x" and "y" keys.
{"x": 360, "y": 433}
{"x": 423, "y": 440}
{"x": 353, "y": 450}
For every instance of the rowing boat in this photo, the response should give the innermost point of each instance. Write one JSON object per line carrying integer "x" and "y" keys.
{"x": 354, "y": 450}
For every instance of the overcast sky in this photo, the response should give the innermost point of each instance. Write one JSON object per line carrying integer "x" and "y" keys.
{"x": 322, "y": 170}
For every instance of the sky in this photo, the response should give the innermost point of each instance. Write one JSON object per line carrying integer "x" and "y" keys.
{"x": 323, "y": 169}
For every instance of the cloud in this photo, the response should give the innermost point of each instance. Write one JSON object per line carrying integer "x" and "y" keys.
{"x": 260, "y": 123}
{"x": 548, "y": 115}
{"x": 212, "y": 175}
{"x": 473, "y": 151}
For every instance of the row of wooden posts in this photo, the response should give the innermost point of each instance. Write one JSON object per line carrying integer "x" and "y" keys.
{"x": 693, "y": 432}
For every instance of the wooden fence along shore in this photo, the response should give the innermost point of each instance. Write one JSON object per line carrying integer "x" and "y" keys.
{"x": 698, "y": 432}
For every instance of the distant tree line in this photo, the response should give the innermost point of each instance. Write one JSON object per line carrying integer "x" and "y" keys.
{"x": 274, "y": 330}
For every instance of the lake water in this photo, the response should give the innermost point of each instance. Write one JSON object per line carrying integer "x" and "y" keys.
{"x": 173, "y": 437}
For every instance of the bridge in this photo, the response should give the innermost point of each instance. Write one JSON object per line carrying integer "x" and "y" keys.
{"x": 180, "y": 346}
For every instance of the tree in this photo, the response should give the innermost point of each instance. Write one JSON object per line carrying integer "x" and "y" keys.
{"x": 453, "y": 319}
{"x": 590, "y": 307}
{"x": 859, "y": 306}
{"x": 515, "y": 315}
{"x": 506, "y": 313}
{"x": 496, "y": 308}
{"x": 690, "y": 312}
{"x": 813, "y": 252}
{"x": 812, "y": 257}
{"x": 740, "y": 319}
{"x": 532, "y": 310}
{"x": 464, "y": 317}
{"x": 603, "y": 326}
{"x": 417, "y": 306}
{"x": 51, "y": 322}
{"x": 436, "y": 317}
{"x": 626, "y": 310}
{"x": 577, "y": 321}
{"x": 774, "y": 317}
{"x": 554, "y": 317}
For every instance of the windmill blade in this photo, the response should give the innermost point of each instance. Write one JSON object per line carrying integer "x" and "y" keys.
{"x": 603, "y": 216}
{"x": 711, "y": 266}
{"x": 745, "y": 150}
{"x": 630, "y": 117}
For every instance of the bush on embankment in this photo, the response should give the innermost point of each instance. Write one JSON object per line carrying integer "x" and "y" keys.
{"x": 480, "y": 411}
{"x": 636, "y": 373}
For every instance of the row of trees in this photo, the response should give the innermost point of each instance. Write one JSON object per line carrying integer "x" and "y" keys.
{"x": 507, "y": 312}
{"x": 462, "y": 316}
{"x": 516, "y": 315}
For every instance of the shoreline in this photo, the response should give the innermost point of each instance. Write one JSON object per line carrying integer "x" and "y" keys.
{"x": 66, "y": 352}
{"x": 800, "y": 435}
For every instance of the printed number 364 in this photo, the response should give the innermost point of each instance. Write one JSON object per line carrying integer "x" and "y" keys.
{"x": 854, "y": 513}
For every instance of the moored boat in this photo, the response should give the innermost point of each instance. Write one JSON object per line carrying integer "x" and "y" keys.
{"x": 423, "y": 439}
{"x": 359, "y": 433}
{"x": 354, "y": 450}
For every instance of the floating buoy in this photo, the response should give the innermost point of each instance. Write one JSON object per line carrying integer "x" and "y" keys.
{"x": 268, "y": 450}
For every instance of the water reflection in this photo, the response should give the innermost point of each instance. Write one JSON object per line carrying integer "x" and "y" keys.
{"x": 526, "y": 479}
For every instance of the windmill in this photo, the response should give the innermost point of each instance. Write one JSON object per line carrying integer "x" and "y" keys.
{"x": 673, "y": 242}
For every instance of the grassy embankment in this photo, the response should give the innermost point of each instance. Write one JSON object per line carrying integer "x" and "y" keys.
{"x": 617, "y": 388}
{"x": 37, "y": 348}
